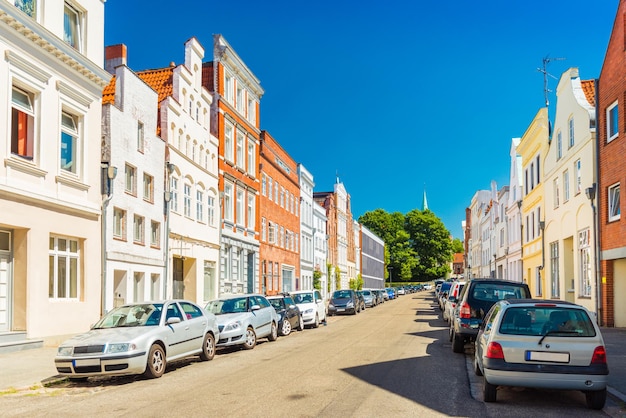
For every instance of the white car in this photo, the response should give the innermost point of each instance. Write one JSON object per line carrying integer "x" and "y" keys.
{"x": 311, "y": 306}
{"x": 139, "y": 338}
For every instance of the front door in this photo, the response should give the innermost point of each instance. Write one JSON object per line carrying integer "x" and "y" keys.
{"x": 178, "y": 289}
{"x": 6, "y": 281}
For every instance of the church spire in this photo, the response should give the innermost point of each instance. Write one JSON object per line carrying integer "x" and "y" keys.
{"x": 424, "y": 201}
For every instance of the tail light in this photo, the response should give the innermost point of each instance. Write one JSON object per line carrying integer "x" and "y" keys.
{"x": 599, "y": 355}
{"x": 464, "y": 311}
{"x": 494, "y": 350}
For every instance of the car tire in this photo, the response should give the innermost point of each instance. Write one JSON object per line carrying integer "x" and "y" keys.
{"x": 458, "y": 345}
{"x": 450, "y": 331}
{"x": 477, "y": 370}
{"x": 316, "y": 323}
{"x": 596, "y": 399}
{"x": 300, "y": 323}
{"x": 273, "y": 332}
{"x": 208, "y": 347}
{"x": 286, "y": 328}
{"x": 250, "y": 339}
{"x": 490, "y": 392}
{"x": 156, "y": 364}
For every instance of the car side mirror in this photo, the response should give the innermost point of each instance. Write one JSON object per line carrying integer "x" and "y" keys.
{"x": 292, "y": 306}
{"x": 173, "y": 320}
{"x": 255, "y": 307}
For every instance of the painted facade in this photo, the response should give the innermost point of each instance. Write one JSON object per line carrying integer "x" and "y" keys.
{"x": 50, "y": 196}
{"x": 307, "y": 226}
{"x": 476, "y": 265}
{"x": 500, "y": 233}
{"x": 320, "y": 244}
{"x": 514, "y": 215}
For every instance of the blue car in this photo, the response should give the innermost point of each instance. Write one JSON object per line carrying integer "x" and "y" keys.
{"x": 391, "y": 292}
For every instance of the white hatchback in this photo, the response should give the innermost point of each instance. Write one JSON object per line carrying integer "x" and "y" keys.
{"x": 311, "y": 305}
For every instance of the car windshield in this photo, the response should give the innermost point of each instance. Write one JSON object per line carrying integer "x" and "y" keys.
{"x": 227, "y": 306}
{"x": 341, "y": 294}
{"x": 277, "y": 303}
{"x": 541, "y": 320}
{"x": 143, "y": 315}
{"x": 492, "y": 292}
{"x": 303, "y": 297}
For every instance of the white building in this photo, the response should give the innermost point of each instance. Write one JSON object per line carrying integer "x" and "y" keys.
{"x": 320, "y": 243}
{"x": 569, "y": 170}
{"x": 514, "y": 215}
{"x": 500, "y": 232}
{"x": 478, "y": 265}
{"x": 50, "y": 197}
{"x": 134, "y": 238}
{"x": 307, "y": 258}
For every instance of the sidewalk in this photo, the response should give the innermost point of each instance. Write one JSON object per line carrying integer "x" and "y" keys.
{"x": 31, "y": 369}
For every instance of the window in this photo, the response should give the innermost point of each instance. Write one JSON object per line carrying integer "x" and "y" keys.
{"x": 239, "y": 208}
{"x": 228, "y": 87}
{"x": 148, "y": 187}
{"x": 612, "y": 122}
{"x": 252, "y": 111}
{"x": 578, "y": 174}
{"x": 554, "y": 269}
{"x": 271, "y": 233}
{"x": 174, "y": 194}
{"x": 251, "y": 163}
{"x": 187, "y": 200}
{"x": 263, "y": 229}
{"x": 538, "y": 171}
{"x": 72, "y": 20}
{"x": 199, "y": 206}
{"x": 64, "y": 259}
{"x": 585, "y": 266}
{"x": 119, "y": 223}
{"x": 565, "y": 185}
{"x": 228, "y": 143}
{"x": 22, "y": 124}
{"x": 264, "y": 185}
{"x": 155, "y": 234}
{"x": 270, "y": 194}
{"x": 69, "y": 142}
{"x": 228, "y": 202}
{"x": 556, "y": 191}
{"x": 282, "y": 197}
{"x": 614, "y": 206}
{"x": 538, "y": 282}
{"x": 240, "y": 140}
{"x": 240, "y": 100}
{"x": 281, "y": 235}
{"x": 559, "y": 146}
{"x": 251, "y": 207}
{"x": 140, "y": 136}
{"x": 27, "y": 6}
{"x": 532, "y": 176}
{"x": 211, "y": 210}
{"x": 276, "y": 187}
{"x": 570, "y": 124}
{"x": 130, "y": 182}
{"x": 138, "y": 229}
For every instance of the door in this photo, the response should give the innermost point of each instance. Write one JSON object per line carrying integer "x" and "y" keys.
{"x": 6, "y": 281}
{"x": 178, "y": 289}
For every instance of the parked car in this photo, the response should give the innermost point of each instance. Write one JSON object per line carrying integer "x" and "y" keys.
{"x": 361, "y": 298}
{"x": 450, "y": 302}
{"x": 391, "y": 292}
{"x": 477, "y": 297}
{"x": 385, "y": 294}
{"x": 442, "y": 293}
{"x": 139, "y": 338}
{"x": 344, "y": 302}
{"x": 289, "y": 316}
{"x": 242, "y": 319}
{"x": 370, "y": 298}
{"x": 542, "y": 344}
{"x": 400, "y": 290}
{"x": 312, "y": 306}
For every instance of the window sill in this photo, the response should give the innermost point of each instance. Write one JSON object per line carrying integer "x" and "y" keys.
{"x": 73, "y": 182}
{"x": 24, "y": 165}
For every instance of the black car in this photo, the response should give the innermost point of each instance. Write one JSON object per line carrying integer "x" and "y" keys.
{"x": 477, "y": 297}
{"x": 344, "y": 301}
{"x": 289, "y": 314}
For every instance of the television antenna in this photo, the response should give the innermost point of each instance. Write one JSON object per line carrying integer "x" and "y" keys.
{"x": 544, "y": 70}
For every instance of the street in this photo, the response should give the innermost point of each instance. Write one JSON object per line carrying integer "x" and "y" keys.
{"x": 392, "y": 360}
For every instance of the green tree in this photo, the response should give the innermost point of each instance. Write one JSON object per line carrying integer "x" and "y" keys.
{"x": 457, "y": 246}
{"x": 430, "y": 239}
{"x": 317, "y": 282}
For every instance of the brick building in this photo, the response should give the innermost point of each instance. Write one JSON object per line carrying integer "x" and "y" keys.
{"x": 279, "y": 218}
{"x": 611, "y": 141}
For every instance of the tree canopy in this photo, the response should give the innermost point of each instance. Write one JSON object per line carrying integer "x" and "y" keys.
{"x": 417, "y": 245}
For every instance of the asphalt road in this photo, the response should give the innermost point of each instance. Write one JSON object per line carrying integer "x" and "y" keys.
{"x": 390, "y": 361}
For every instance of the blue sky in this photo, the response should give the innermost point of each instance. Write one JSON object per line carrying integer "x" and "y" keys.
{"x": 393, "y": 96}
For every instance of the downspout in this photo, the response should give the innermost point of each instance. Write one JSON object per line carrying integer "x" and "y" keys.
{"x": 108, "y": 174}
{"x": 596, "y": 217}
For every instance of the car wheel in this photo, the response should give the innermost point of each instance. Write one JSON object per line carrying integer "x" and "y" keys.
{"x": 458, "y": 344}
{"x": 156, "y": 362}
{"x": 300, "y": 323}
{"x": 489, "y": 392}
{"x": 316, "y": 323}
{"x": 450, "y": 332}
{"x": 274, "y": 332}
{"x": 286, "y": 328}
{"x": 208, "y": 348}
{"x": 477, "y": 370}
{"x": 596, "y": 399}
{"x": 250, "y": 339}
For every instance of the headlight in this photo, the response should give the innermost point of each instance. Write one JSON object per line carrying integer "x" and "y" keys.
{"x": 233, "y": 326}
{"x": 65, "y": 351}
{"x": 309, "y": 311}
{"x": 120, "y": 348}
{"x": 330, "y": 305}
{"x": 350, "y": 304}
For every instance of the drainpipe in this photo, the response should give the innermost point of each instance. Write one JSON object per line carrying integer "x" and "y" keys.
{"x": 108, "y": 173}
{"x": 167, "y": 196}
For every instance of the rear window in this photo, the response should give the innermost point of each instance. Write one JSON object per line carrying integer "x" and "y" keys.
{"x": 492, "y": 292}
{"x": 538, "y": 321}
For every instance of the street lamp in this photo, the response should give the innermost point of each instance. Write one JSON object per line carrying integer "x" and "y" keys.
{"x": 390, "y": 269}
{"x": 591, "y": 195}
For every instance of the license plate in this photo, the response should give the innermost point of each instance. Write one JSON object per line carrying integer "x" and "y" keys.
{"x": 340, "y": 309}
{"x": 87, "y": 362}
{"x": 547, "y": 356}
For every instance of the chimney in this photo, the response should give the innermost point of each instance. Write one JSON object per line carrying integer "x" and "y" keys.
{"x": 115, "y": 55}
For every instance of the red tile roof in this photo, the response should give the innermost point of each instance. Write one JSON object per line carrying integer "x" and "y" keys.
{"x": 108, "y": 94}
{"x": 160, "y": 80}
{"x": 589, "y": 88}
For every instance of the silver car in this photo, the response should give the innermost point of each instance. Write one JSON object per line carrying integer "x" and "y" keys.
{"x": 242, "y": 319}
{"x": 541, "y": 344}
{"x": 139, "y": 338}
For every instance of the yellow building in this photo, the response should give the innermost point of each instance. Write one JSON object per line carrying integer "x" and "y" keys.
{"x": 533, "y": 148}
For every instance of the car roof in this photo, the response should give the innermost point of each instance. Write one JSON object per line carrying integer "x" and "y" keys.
{"x": 541, "y": 301}
{"x": 239, "y": 295}
{"x": 492, "y": 280}
{"x": 302, "y": 291}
